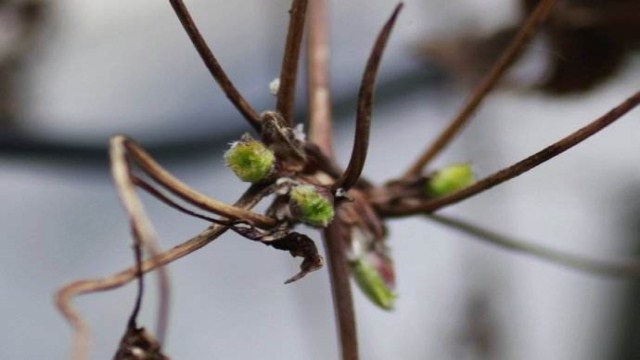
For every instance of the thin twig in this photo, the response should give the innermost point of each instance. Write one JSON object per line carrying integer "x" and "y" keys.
{"x": 319, "y": 93}
{"x": 142, "y": 230}
{"x": 167, "y": 201}
{"x": 520, "y": 167}
{"x": 214, "y": 66}
{"x": 341, "y": 290}
{"x": 365, "y": 105}
{"x": 507, "y": 58}
{"x": 177, "y": 187}
{"x": 623, "y": 269}
{"x": 64, "y": 296}
{"x": 289, "y": 71}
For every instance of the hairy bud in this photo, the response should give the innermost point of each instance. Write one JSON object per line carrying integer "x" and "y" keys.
{"x": 250, "y": 159}
{"x": 312, "y": 204}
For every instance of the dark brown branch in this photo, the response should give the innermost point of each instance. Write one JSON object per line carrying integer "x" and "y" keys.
{"x": 213, "y": 65}
{"x": 289, "y": 71}
{"x": 622, "y": 269}
{"x": 319, "y": 93}
{"x": 520, "y": 167}
{"x": 505, "y": 61}
{"x": 365, "y": 105}
{"x": 341, "y": 290}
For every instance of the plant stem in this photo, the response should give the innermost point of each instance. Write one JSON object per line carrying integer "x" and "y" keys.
{"x": 213, "y": 65}
{"x": 289, "y": 72}
{"x": 365, "y": 107}
{"x": 505, "y": 61}
{"x": 321, "y": 134}
{"x": 518, "y": 168}
{"x": 64, "y": 296}
{"x": 341, "y": 290}
{"x": 596, "y": 267}
{"x": 177, "y": 187}
{"x": 319, "y": 93}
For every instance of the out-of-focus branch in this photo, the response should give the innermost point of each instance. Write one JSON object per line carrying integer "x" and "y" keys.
{"x": 592, "y": 266}
{"x": 505, "y": 61}
{"x": 319, "y": 93}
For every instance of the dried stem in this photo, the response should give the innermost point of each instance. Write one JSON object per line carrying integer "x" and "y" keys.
{"x": 319, "y": 93}
{"x": 213, "y": 65}
{"x": 507, "y": 58}
{"x": 64, "y": 296}
{"x": 289, "y": 72}
{"x": 320, "y": 133}
{"x": 180, "y": 189}
{"x": 365, "y": 105}
{"x": 341, "y": 290}
{"x": 520, "y": 167}
{"x": 596, "y": 267}
{"x": 142, "y": 230}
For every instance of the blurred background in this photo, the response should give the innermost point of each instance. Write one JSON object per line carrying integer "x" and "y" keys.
{"x": 73, "y": 73}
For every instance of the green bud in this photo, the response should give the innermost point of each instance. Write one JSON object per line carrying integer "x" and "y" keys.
{"x": 312, "y": 204}
{"x": 372, "y": 284}
{"x": 250, "y": 159}
{"x": 449, "y": 179}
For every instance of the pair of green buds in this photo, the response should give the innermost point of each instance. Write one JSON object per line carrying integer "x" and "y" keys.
{"x": 254, "y": 162}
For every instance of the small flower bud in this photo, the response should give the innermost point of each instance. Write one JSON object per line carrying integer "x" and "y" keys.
{"x": 372, "y": 284}
{"x": 311, "y": 204}
{"x": 449, "y": 179}
{"x": 250, "y": 159}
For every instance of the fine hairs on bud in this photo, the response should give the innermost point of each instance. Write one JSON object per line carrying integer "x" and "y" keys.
{"x": 312, "y": 204}
{"x": 250, "y": 159}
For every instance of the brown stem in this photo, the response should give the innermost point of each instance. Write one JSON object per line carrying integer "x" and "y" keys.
{"x": 65, "y": 295}
{"x": 289, "y": 72}
{"x": 519, "y": 167}
{"x": 341, "y": 290}
{"x": 365, "y": 106}
{"x": 596, "y": 267}
{"x": 507, "y": 58}
{"x": 319, "y": 93}
{"x": 143, "y": 233}
{"x": 213, "y": 65}
{"x": 177, "y": 187}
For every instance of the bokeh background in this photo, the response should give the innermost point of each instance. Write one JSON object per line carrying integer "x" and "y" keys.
{"x": 91, "y": 69}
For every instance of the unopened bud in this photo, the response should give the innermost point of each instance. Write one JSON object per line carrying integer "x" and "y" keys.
{"x": 311, "y": 204}
{"x": 250, "y": 159}
{"x": 372, "y": 284}
{"x": 449, "y": 179}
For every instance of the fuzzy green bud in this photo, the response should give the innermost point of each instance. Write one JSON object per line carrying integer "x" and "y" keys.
{"x": 312, "y": 204}
{"x": 250, "y": 159}
{"x": 449, "y": 179}
{"x": 372, "y": 284}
